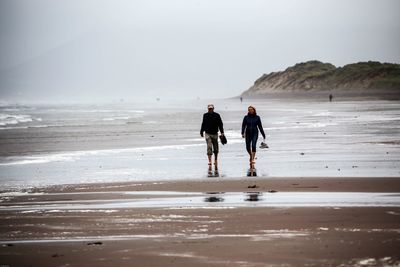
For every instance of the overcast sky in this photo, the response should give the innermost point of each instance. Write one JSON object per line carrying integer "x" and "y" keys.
{"x": 157, "y": 48}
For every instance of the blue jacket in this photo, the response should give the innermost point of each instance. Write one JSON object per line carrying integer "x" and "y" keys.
{"x": 251, "y": 124}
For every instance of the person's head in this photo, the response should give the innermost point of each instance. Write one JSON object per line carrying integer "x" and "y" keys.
{"x": 210, "y": 107}
{"x": 252, "y": 110}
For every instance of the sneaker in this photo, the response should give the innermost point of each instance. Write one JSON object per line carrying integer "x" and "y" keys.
{"x": 263, "y": 145}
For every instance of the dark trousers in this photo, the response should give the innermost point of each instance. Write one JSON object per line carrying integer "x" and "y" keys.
{"x": 251, "y": 141}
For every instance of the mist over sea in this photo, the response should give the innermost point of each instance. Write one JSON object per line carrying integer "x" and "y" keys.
{"x": 44, "y": 145}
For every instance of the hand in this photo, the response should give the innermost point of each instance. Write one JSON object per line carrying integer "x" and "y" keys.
{"x": 242, "y": 135}
{"x": 201, "y": 135}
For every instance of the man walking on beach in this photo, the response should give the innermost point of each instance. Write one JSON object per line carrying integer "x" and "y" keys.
{"x": 211, "y": 123}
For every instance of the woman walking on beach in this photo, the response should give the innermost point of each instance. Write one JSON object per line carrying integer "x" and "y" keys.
{"x": 250, "y": 126}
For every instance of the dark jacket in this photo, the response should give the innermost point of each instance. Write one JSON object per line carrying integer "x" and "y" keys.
{"x": 211, "y": 122}
{"x": 250, "y": 124}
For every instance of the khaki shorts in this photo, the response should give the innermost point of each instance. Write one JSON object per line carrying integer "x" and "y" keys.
{"x": 212, "y": 143}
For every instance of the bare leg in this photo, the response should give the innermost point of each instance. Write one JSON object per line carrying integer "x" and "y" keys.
{"x": 216, "y": 161}
{"x": 252, "y": 159}
{"x": 209, "y": 160}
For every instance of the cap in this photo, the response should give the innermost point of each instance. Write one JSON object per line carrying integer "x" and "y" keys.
{"x": 210, "y": 106}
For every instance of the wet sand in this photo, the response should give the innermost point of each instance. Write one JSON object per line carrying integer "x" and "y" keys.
{"x": 308, "y": 184}
{"x": 59, "y": 226}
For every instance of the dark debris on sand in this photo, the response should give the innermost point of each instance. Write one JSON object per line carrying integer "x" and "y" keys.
{"x": 95, "y": 243}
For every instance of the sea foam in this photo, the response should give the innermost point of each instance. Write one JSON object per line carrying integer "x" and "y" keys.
{"x": 7, "y": 119}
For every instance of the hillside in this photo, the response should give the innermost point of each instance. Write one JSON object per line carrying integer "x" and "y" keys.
{"x": 313, "y": 77}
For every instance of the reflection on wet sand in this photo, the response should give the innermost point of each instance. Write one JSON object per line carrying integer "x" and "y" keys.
{"x": 167, "y": 199}
{"x": 215, "y": 197}
{"x": 253, "y": 196}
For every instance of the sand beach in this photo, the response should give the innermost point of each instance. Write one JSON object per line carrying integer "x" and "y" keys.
{"x": 219, "y": 222}
{"x": 199, "y": 133}
{"x": 127, "y": 185}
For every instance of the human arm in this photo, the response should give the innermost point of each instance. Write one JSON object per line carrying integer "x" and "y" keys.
{"x": 259, "y": 124}
{"x": 202, "y": 127}
{"x": 220, "y": 125}
{"x": 243, "y": 126}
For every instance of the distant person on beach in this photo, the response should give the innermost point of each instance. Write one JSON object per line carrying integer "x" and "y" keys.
{"x": 330, "y": 97}
{"x": 241, "y": 99}
{"x": 211, "y": 123}
{"x": 250, "y": 126}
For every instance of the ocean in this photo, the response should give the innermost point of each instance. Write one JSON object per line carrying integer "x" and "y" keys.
{"x": 54, "y": 144}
